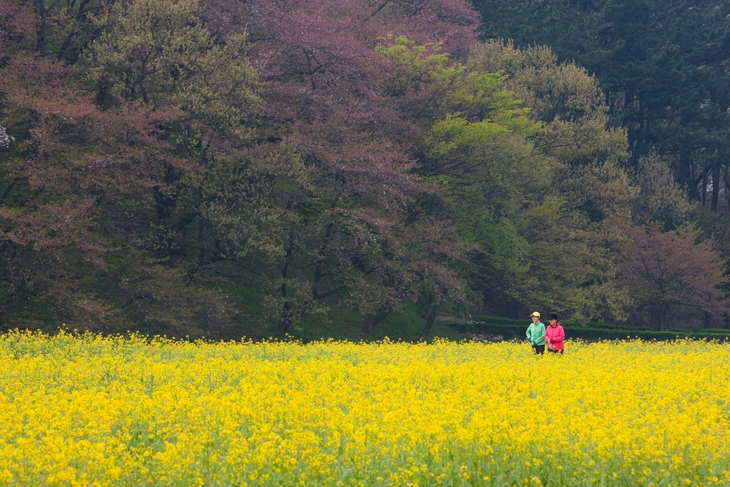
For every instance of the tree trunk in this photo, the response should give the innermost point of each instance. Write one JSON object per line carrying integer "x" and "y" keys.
{"x": 685, "y": 173}
{"x": 371, "y": 321}
{"x": 285, "y": 321}
{"x": 201, "y": 243}
{"x": 727, "y": 188}
{"x": 429, "y": 322}
{"x": 321, "y": 258}
{"x": 715, "y": 187}
{"x": 663, "y": 312}
{"x": 40, "y": 10}
{"x": 81, "y": 12}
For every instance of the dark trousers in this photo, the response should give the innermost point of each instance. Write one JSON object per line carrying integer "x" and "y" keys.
{"x": 556, "y": 351}
{"x": 539, "y": 349}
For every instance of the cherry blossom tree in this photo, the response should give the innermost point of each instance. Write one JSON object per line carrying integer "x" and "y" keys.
{"x": 352, "y": 229}
{"x": 668, "y": 272}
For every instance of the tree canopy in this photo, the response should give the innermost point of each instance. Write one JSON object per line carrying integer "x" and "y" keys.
{"x": 240, "y": 168}
{"x": 662, "y": 64}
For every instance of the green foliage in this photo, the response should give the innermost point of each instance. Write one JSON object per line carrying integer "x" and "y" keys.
{"x": 660, "y": 200}
{"x": 662, "y": 65}
{"x": 455, "y": 133}
{"x": 567, "y": 264}
{"x": 420, "y": 65}
{"x": 464, "y": 104}
{"x": 161, "y": 173}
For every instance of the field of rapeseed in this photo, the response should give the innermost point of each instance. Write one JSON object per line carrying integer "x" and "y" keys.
{"x": 87, "y": 410}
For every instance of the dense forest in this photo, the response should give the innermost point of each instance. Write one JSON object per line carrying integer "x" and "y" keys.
{"x": 244, "y": 168}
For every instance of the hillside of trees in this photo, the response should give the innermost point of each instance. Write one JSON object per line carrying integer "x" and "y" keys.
{"x": 228, "y": 169}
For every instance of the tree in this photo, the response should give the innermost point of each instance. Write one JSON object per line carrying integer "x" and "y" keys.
{"x": 668, "y": 272}
{"x": 660, "y": 200}
{"x": 66, "y": 179}
{"x": 572, "y": 182}
{"x": 352, "y": 230}
{"x": 199, "y": 167}
{"x": 662, "y": 64}
{"x": 455, "y": 114}
{"x": 231, "y": 201}
{"x": 93, "y": 229}
{"x": 64, "y": 28}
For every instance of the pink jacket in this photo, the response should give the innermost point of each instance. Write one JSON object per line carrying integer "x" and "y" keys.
{"x": 555, "y": 337}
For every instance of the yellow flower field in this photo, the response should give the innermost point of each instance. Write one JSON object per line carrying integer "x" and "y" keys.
{"x": 87, "y": 410}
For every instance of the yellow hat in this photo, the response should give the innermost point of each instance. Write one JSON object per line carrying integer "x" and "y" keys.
{"x": 535, "y": 313}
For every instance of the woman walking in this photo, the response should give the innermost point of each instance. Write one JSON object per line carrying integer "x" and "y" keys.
{"x": 555, "y": 335}
{"x": 536, "y": 334}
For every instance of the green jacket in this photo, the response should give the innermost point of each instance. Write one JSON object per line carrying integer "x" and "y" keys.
{"x": 536, "y": 333}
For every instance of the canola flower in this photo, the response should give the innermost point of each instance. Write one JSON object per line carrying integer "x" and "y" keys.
{"x": 91, "y": 410}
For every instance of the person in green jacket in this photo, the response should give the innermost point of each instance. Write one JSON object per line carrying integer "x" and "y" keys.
{"x": 536, "y": 333}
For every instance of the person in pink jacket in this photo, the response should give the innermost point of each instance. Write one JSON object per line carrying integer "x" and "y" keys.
{"x": 555, "y": 335}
